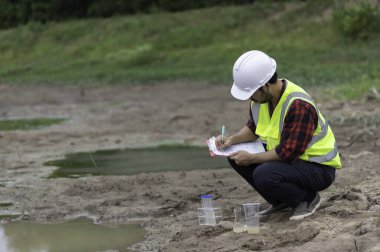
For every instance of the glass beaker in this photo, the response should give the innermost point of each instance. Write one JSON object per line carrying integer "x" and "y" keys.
{"x": 252, "y": 221}
{"x": 239, "y": 221}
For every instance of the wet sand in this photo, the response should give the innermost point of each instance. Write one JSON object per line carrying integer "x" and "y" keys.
{"x": 166, "y": 202}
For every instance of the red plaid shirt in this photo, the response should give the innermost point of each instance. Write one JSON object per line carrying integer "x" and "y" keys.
{"x": 299, "y": 126}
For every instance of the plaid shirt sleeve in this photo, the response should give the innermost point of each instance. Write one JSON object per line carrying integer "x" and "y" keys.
{"x": 299, "y": 126}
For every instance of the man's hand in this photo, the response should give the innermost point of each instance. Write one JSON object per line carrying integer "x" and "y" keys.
{"x": 243, "y": 158}
{"x": 222, "y": 145}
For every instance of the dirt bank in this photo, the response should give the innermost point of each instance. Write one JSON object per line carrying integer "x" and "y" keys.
{"x": 118, "y": 117}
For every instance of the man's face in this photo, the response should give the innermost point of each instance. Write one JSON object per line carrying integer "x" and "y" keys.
{"x": 262, "y": 95}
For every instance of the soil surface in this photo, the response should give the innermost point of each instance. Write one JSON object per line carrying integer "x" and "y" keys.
{"x": 166, "y": 202}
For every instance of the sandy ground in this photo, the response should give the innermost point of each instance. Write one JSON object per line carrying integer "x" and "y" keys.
{"x": 119, "y": 117}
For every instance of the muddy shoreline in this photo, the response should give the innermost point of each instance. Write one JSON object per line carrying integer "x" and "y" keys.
{"x": 120, "y": 117}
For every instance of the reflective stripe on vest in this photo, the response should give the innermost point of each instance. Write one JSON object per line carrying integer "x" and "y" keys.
{"x": 255, "y": 113}
{"x": 325, "y": 158}
{"x": 324, "y": 125}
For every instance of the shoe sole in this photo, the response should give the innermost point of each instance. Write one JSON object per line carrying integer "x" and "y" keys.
{"x": 286, "y": 210}
{"x": 300, "y": 217}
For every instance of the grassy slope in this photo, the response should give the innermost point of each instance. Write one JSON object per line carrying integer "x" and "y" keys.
{"x": 198, "y": 45}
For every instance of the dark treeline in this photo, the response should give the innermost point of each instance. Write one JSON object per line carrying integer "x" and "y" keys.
{"x": 15, "y": 12}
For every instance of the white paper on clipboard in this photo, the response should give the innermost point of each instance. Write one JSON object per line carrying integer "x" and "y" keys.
{"x": 251, "y": 147}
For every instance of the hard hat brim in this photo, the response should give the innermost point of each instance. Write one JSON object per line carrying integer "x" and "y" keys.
{"x": 241, "y": 95}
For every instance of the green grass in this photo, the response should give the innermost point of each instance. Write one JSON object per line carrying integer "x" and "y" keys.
{"x": 28, "y": 124}
{"x": 197, "y": 46}
{"x": 352, "y": 90}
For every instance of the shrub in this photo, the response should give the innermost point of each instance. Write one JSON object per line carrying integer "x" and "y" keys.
{"x": 357, "y": 21}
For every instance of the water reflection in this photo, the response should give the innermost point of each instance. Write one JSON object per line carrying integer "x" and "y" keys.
{"x": 79, "y": 235}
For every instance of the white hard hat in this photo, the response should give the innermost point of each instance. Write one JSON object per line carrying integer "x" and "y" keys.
{"x": 251, "y": 71}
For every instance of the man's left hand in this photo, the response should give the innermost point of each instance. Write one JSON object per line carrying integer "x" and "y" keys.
{"x": 242, "y": 158}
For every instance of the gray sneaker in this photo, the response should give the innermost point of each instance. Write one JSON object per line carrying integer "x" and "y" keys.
{"x": 281, "y": 208}
{"x": 304, "y": 209}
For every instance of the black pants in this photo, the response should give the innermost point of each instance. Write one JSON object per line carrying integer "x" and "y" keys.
{"x": 279, "y": 182}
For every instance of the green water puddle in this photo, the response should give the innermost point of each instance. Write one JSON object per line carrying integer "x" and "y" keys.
{"x": 8, "y": 217}
{"x": 78, "y": 235}
{"x": 134, "y": 161}
{"x": 6, "y": 213}
{"x": 28, "y": 124}
{"x": 5, "y": 204}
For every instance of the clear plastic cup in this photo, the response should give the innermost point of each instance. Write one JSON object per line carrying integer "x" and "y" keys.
{"x": 209, "y": 214}
{"x": 239, "y": 221}
{"x": 252, "y": 221}
{"x": 206, "y": 201}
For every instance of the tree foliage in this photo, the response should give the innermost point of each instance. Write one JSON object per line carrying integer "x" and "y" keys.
{"x": 14, "y": 12}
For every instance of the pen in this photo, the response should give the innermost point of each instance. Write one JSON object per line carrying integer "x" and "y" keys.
{"x": 223, "y": 132}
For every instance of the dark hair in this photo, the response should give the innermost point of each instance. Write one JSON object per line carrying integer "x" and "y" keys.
{"x": 273, "y": 79}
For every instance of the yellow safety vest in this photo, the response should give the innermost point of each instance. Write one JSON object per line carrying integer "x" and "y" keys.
{"x": 322, "y": 148}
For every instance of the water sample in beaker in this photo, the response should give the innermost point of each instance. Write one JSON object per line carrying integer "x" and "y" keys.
{"x": 239, "y": 221}
{"x": 252, "y": 221}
